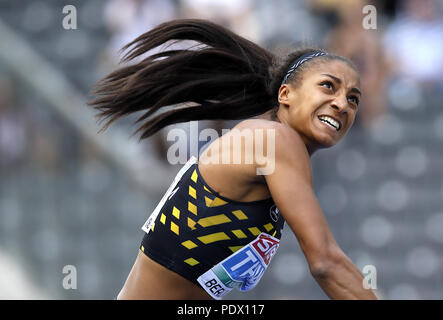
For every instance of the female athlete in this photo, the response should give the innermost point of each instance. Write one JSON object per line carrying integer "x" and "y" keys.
{"x": 219, "y": 223}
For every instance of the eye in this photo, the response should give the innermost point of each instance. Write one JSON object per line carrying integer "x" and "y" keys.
{"x": 327, "y": 84}
{"x": 354, "y": 100}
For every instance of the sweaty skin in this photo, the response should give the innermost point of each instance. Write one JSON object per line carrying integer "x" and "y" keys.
{"x": 329, "y": 89}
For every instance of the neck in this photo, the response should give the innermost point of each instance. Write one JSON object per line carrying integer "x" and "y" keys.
{"x": 282, "y": 118}
{"x": 268, "y": 115}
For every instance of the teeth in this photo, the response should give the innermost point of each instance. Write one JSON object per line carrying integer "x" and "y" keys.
{"x": 330, "y": 121}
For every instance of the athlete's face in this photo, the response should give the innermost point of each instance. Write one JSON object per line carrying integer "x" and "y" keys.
{"x": 323, "y": 105}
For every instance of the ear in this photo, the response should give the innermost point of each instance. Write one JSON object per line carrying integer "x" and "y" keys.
{"x": 283, "y": 95}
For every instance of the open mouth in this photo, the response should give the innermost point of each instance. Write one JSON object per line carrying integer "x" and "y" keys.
{"x": 333, "y": 123}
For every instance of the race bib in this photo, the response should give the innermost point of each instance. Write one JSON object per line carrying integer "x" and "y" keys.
{"x": 242, "y": 270}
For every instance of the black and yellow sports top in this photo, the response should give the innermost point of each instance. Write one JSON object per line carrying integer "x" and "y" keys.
{"x": 193, "y": 228}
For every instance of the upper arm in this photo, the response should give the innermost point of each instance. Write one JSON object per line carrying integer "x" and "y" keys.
{"x": 291, "y": 188}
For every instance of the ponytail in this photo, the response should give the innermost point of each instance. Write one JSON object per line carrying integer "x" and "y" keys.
{"x": 226, "y": 77}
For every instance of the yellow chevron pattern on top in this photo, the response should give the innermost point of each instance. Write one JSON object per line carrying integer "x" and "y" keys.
{"x": 268, "y": 226}
{"x": 191, "y": 223}
{"x": 255, "y": 231}
{"x": 214, "y": 203}
{"x": 214, "y": 220}
{"x": 213, "y": 237}
{"x": 174, "y": 228}
{"x": 218, "y": 202}
{"x": 192, "y": 208}
{"x": 192, "y": 192}
{"x": 163, "y": 218}
{"x": 176, "y": 212}
{"x": 191, "y": 261}
{"x": 189, "y": 244}
{"x": 208, "y": 201}
{"x": 239, "y": 234}
{"x": 194, "y": 176}
{"x": 240, "y": 215}
{"x": 207, "y": 189}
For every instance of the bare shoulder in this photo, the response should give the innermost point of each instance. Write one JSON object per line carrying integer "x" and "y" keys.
{"x": 286, "y": 141}
{"x": 282, "y": 130}
{"x": 257, "y": 124}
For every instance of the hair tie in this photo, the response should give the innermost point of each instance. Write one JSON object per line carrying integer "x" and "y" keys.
{"x": 297, "y": 63}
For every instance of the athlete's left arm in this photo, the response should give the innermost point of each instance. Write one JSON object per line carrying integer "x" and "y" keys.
{"x": 291, "y": 187}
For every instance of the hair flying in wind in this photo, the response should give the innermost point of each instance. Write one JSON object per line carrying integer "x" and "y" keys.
{"x": 224, "y": 77}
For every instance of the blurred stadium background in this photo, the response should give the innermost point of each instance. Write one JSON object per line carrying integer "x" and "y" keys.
{"x": 70, "y": 196}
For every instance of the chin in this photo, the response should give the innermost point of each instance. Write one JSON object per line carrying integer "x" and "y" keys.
{"x": 326, "y": 146}
{"x": 326, "y": 142}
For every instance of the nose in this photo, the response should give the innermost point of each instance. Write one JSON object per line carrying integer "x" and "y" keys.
{"x": 340, "y": 104}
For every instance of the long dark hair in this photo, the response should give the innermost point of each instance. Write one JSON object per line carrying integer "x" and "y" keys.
{"x": 226, "y": 77}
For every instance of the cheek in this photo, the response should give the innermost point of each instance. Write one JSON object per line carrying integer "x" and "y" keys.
{"x": 351, "y": 120}
{"x": 301, "y": 117}
{"x": 304, "y": 108}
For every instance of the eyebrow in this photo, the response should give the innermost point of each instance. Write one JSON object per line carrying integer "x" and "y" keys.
{"x": 338, "y": 80}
